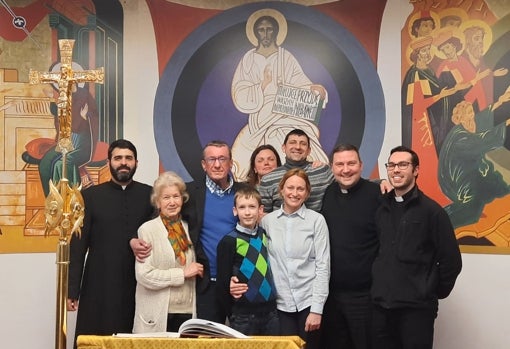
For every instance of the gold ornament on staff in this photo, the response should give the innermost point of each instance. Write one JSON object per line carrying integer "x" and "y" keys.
{"x": 64, "y": 206}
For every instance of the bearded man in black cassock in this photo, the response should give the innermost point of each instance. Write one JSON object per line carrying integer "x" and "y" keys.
{"x": 104, "y": 282}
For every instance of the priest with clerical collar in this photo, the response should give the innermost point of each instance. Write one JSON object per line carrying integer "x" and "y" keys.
{"x": 349, "y": 207}
{"x": 418, "y": 260}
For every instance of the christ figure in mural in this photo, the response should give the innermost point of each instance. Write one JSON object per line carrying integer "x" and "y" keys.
{"x": 257, "y": 79}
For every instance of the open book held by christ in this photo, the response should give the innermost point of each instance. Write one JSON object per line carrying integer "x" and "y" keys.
{"x": 298, "y": 102}
{"x": 193, "y": 328}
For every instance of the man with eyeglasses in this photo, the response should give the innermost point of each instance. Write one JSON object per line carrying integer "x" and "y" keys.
{"x": 210, "y": 216}
{"x": 418, "y": 260}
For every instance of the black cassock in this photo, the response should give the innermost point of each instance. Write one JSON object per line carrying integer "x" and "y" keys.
{"x": 107, "y": 292}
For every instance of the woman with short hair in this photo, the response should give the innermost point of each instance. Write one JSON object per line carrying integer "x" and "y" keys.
{"x": 165, "y": 293}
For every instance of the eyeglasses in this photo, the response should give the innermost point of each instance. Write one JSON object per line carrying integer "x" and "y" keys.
{"x": 401, "y": 165}
{"x": 212, "y": 161}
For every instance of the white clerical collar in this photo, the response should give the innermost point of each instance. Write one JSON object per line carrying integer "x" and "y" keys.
{"x": 399, "y": 198}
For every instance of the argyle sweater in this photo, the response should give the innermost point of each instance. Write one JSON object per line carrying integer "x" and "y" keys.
{"x": 245, "y": 256}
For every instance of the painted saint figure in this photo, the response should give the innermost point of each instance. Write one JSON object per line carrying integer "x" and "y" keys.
{"x": 424, "y": 102}
{"x": 468, "y": 69}
{"x": 466, "y": 176}
{"x": 84, "y": 136}
{"x": 256, "y": 80}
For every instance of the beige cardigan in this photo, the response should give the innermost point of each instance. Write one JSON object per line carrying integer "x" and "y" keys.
{"x": 161, "y": 286}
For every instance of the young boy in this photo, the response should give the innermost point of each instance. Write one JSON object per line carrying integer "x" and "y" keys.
{"x": 242, "y": 256}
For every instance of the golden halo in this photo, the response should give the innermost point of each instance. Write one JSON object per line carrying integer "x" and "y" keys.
{"x": 454, "y": 32}
{"x": 487, "y": 38}
{"x": 453, "y": 11}
{"x": 418, "y": 15}
{"x": 282, "y": 23}
{"x": 433, "y": 52}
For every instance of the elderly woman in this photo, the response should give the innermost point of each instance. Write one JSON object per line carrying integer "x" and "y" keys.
{"x": 299, "y": 255}
{"x": 165, "y": 293}
{"x": 263, "y": 160}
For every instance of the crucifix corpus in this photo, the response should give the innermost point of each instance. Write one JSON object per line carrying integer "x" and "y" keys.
{"x": 64, "y": 206}
{"x": 66, "y": 79}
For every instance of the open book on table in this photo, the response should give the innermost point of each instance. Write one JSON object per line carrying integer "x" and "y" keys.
{"x": 206, "y": 328}
{"x": 192, "y": 328}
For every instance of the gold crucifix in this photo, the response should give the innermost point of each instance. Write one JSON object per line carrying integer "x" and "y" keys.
{"x": 64, "y": 207}
{"x": 65, "y": 79}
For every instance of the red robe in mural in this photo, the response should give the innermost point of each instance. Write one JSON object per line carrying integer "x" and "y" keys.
{"x": 464, "y": 71}
{"x": 420, "y": 110}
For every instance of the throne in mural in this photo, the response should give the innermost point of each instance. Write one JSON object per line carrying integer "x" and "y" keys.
{"x": 92, "y": 173}
{"x": 28, "y": 130}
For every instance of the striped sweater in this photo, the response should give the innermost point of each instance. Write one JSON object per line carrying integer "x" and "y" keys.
{"x": 320, "y": 177}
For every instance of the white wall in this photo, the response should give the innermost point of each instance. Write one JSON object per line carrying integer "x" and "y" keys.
{"x": 28, "y": 301}
{"x": 476, "y": 315}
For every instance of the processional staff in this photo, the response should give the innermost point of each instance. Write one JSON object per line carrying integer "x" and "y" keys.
{"x": 64, "y": 207}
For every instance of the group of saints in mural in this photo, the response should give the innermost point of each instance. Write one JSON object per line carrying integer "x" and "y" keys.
{"x": 450, "y": 115}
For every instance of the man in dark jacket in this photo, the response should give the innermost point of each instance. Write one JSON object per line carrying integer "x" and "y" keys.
{"x": 210, "y": 216}
{"x": 418, "y": 260}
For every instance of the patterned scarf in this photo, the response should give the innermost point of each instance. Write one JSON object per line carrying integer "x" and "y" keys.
{"x": 177, "y": 237}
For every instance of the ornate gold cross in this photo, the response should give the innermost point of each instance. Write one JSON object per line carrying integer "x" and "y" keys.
{"x": 64, "y": 207}
{"x": 65, "y": 79}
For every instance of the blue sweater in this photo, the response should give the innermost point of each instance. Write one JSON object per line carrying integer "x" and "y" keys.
{"x": 218, "y": 221}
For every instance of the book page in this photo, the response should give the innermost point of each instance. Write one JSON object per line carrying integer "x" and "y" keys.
{"x": 200, "y": 327}
{"x": 148, "y": 335}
